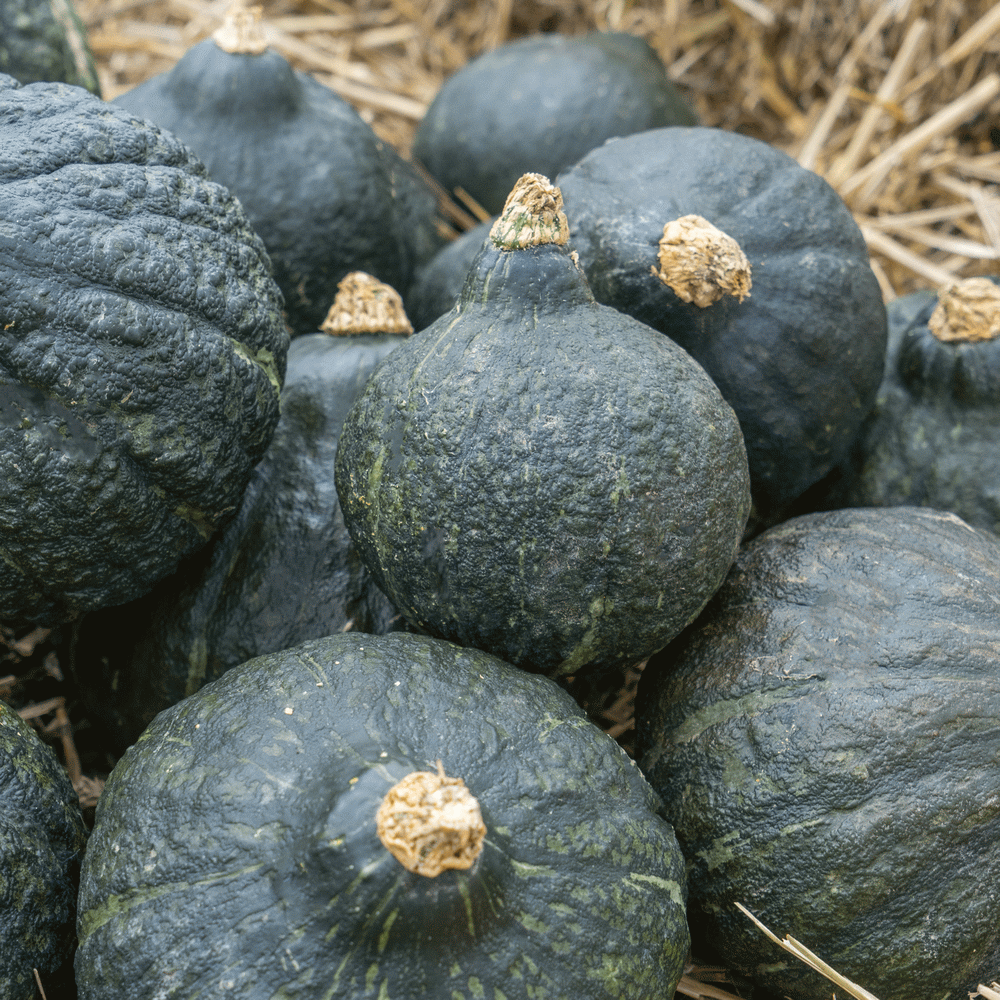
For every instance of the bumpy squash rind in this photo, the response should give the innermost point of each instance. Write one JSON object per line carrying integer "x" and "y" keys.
{"x": 282, "y": 571}
{"x": 826, "y": 739}
{"x": 541, "y": 477}
{"x": 141, "y": 353}
{"x": 42, "y": 839}
{"x": 325, "y": 194}
{"x": 800, "y": 358}
{"x": 235, "y": 843}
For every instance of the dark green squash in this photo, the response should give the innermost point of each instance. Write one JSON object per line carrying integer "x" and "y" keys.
{"x": 537, "y": 105}
{"x": 235, "y": 849}
{"x": 45, "y": 40}
{"x": 798, "y": 352}
{"x": 282, "y": 571}
{"x": 141, "y": 353}
{"x": 326, "y": 195}
{"x": 826, "y": 739}
{"x": 932, "y": 438}
{"x": 42, "y": 838}
{"x": 538, "y": 475}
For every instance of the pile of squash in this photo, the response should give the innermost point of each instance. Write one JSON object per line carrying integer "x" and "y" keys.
{"x": 334, "y": 588}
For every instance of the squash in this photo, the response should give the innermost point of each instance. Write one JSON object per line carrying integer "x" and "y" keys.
{"x": 826, "y": 739}
{"x": 437, "y": 285}
{"x": 282, "y": 571}
{"x": 326, "y": 195}
{"x": 141, "y": 353}
{"x": 797, "y": 345}
{"x": 537, "y": 105}
{"x": 238, "y": 846}
{"x": 540, "y": 476}
{"x": 45, "y": 40}
{"x": 932, "y": 437}
{"x": 42, "y": 839}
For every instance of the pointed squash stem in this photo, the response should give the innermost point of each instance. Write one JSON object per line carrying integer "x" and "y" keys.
{"x": 364, "y": 304}
{"x": 241, "y": 32}
{"x": 531, "y": 216}
{"x": 967, "y": 311}
{"x": 701, "y": 263}
{"x": 429, "y": 823}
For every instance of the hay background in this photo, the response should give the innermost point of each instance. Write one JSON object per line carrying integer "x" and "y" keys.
{"x": 895, "y": 102}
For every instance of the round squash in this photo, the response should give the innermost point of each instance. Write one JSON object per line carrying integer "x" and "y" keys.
{"x": 42, "y": 839}
{"x": 537, "y": 105}
{"x": 538, "y": 475}
{"x": 932, "y": 437}
{"x": 282, "y": 571}
{"x": 45, "y": 40}
{"x": 141, "y": 353}
{"x": 238, "y": 846}
{"x": 326, "y": 195}
{"x": 826, "y": 739}
{"x": 796, "y": 345}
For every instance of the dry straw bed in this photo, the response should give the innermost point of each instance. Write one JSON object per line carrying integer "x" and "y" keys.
{"x": 896, "y": 103}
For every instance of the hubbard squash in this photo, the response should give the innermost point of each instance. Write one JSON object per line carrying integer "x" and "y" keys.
{"x": 42, "y": 838}
{"x": 826, "y": 739}
{"x": 932, "y": 436}
{"x": 326, "y": 195}
{"x": 282, "y": 571}
{"x": 141, "y": 353}
{"x": 537, "y": 105}
{"x": 794, "y": 334}
{"x": 239, "y": 850}
{"x": 538, "y": 475}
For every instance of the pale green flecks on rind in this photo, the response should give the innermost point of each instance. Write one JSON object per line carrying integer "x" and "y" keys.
{"x": 732, "y": 708}
{"x": 263, "y": 359}
{"x": 95, "y": 918}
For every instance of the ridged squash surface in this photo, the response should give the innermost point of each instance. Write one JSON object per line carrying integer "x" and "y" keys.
{"x": 142, "y": 351}
{"x": 235, "y": 849}
{"x": 541, "y": 477}
{"x": 826, "y": 739}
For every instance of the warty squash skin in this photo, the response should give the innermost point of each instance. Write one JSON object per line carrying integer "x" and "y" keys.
{"x": 538, "y": 104}
{"x": 142, "y": 352}
{"x": 326, "y": 195}
{"x": 235, "y": 852}
{"x": 282, "y": 571}
{"x": 800, "y": 357}
{"x": 826, "y": 740}
{"x": 42, "y": 839}
{"x": 541, "y": 476}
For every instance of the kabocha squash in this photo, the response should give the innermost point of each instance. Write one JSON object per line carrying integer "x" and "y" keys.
{"x": 826, "y": 739}
{"x": 538, "y": 475}
{"x": 537, "y": 105}
{"x": 932, "y": 437}
{"x": 236, "y": 851}
{"x": 45, "y": 40}
{"x": 796, "y": 345}
{"x": 282, "y": 571}
{"x": 326, "y": 195}
{"x": 141, "y": 353}
{"x": 42, "y": 838}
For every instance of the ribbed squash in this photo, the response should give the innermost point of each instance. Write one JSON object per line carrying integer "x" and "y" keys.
{"x": 142, "y": 351}
{"x": 826, "y": 740}
{"x": 245, "y": 845}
